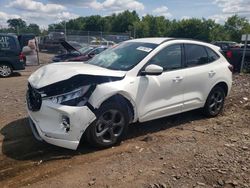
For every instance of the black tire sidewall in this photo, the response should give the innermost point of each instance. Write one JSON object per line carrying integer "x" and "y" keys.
{"x": 206, "y": 109}
{"x": 90, "y": 132}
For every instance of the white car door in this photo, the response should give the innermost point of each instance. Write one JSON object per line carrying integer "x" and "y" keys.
{"x": 162, "y": 95}
{"x": 201, "y": 75}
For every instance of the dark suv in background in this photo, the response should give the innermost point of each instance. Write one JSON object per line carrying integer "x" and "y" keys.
{"x": 11, "y": 58}
{"x": 225, "y": 45}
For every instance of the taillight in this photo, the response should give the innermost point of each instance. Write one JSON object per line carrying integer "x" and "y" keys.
{"x": 231, "y": 67}
{"x": 229, "y": 54}
{"x": 21, "y": 57}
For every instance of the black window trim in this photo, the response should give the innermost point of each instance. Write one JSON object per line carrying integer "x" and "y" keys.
{"x": 167, "y": 70}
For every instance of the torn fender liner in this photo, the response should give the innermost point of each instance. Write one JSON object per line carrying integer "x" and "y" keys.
{"x": 76, "y": 82}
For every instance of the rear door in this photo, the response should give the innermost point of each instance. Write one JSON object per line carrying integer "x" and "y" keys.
{"x": 201, "y": 73}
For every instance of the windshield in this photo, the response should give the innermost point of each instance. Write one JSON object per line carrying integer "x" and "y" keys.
{"x": 85, "y": 50}
{"x": 124, "y": 56}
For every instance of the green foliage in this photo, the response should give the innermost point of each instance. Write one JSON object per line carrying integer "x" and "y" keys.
{"x": 124, "y": 22}
{"x": 236, "y": 26}
{"x": 16, "y": 23}
{"x": 33, "y": 28}
{"x": 20, "y": 26}
{"x": 147, "y": 26}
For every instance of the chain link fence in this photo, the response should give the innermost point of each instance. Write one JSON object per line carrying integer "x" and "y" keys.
{"x": 77, "y": 39}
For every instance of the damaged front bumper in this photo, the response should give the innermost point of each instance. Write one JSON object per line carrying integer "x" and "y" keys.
{"x": 60, "y": 125}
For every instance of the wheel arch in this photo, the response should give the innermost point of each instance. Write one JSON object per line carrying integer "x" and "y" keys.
{"x": 223, "y": 85}
{"x": 8, "y": 63}
{"x": 123, "y": 99}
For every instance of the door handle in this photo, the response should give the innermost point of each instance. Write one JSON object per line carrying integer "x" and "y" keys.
{"x": 211, "y": 73}
{"x": 178, "y": 79}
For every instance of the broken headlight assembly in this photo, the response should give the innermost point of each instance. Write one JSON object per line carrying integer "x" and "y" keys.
{"x": 77, "y": 97}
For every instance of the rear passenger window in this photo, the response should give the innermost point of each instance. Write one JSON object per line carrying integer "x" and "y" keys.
{"x": 212, "y": 56}
{"x": 7, "y": 43}
{"x": 195, "y": 55}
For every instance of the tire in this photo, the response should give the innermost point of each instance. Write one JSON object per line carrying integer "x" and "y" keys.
{"x": 5, "y": 70}
{"x": 110, "y": 126}
{"x": 215, "y": 102}
{"x": 247, "y": 66}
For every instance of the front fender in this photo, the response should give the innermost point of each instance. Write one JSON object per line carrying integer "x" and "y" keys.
{"x": 102, "y": 94}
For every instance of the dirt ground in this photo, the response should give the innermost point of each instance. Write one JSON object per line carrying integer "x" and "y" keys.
{"x": 186, "y": 150}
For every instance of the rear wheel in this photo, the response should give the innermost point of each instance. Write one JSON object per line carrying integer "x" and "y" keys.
{"x": 5, "y": 70}
{"x": 215, "y": 102}
{"x": 247, "y": 65}
{"x": 110, "y": 126}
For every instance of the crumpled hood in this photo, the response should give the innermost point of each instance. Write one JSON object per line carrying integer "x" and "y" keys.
{"x": 53, "y": 73}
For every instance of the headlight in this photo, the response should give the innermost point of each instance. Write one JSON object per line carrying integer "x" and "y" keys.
{"x": 73, "y": 98}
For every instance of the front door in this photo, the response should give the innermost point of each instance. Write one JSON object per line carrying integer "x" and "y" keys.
{"x": 162, "y": 95}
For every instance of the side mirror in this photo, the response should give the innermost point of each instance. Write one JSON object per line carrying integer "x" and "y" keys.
{"x": 153, "y": 70}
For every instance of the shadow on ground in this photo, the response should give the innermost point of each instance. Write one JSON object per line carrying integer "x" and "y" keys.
{"x": 19, "y": 143}
{"x": 16, "y": 74}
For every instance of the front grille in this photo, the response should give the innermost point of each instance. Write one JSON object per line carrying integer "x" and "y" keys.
{"x": 34, "y": 99}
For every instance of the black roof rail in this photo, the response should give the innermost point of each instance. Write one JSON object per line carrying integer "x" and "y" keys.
{"x": 183, "y": 39}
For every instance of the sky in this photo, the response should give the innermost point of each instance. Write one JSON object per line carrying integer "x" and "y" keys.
{"x": 44, "y": 12}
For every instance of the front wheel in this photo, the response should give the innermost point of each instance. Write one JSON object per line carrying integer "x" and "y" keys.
{"x": 215, "y": 102}
{"x": 110, "y": 126}
{"x": 5, "y": 70}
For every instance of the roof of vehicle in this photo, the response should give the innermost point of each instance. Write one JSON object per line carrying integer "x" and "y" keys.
{"x": 154, "y": 40}
{"x": 9, "y": 34}
{"x": 159, "y": 40}
{"x": 27, "y": 34}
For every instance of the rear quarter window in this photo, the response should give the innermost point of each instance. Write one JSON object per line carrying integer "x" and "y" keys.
{"x": 212, "y": 55}
{"x": 8, "y": 43}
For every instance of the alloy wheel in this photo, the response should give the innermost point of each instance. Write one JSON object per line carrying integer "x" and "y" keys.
{"x": 109, "y": 126}
{"x": 216, "y": 102}
{"x": 5, "y": 70}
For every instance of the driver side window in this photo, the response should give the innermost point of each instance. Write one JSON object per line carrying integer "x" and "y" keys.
{"x": 169, "y": 58}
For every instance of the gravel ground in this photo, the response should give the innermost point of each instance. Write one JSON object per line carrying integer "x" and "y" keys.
{"x": 186, "y": 150}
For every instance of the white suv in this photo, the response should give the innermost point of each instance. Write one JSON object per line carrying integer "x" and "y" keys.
{"x": 137, "y": 80}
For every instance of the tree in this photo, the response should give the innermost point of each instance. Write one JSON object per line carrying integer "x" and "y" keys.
{"x": 58, "y": 26}
{"x": 142, "y": 29}
{"x": 236, "y": 26}
{"x": 218, "y": 33}
{"x": 20, "y": 26}
{"x": 151, "y": 23}
{"x": 93, "y": 23}
{"x": 159, "y": 26}
{"x": 17, "y": 23}
{"x": 124, "y": 22}
{"x": 191, "y": 28}
{"x": 33, "y": 28}
{"x": 76, "y": 24}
